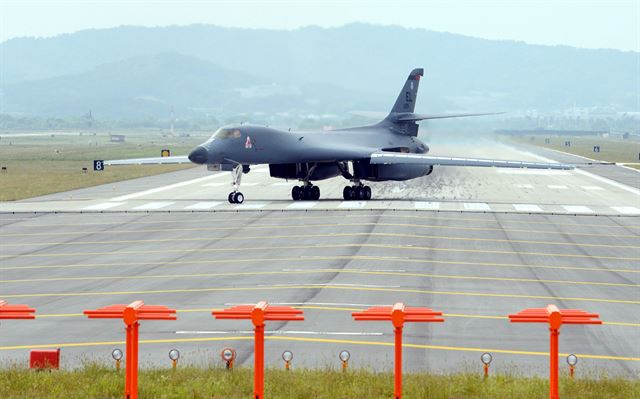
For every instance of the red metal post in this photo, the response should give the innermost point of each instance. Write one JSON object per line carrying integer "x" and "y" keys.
{"x": 398, "y": 314}
{"x": 555, "y": 318}
{"x": 16, "y": 311}
{"x": 258, "y": 314}
{"x": 131, "y": 314}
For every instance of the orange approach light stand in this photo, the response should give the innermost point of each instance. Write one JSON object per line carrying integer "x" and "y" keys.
{"x": 555, "y": 318}
{"x": 258, "y": 314}
{"x": 398, "y": 314}
{"x": 131, "y": 314}
{"x": 8, "y": 311}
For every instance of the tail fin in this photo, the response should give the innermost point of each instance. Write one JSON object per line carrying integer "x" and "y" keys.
{"x": 406, "y": 101}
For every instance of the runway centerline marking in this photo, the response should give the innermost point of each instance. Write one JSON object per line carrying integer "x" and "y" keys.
{"x": 327, "y": 287}
{"x": 325, "y": 258}
{"x": 321, "y": 246}
{"x": 315, "y": 340}
{"x": 165, "y": 188}
{"x": 321, "y": 271}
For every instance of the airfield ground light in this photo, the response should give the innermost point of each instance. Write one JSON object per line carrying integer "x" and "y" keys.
{"x": 117, "y": 354}
{"x": 174, "y": 355}
{"x": 344, "y": 358}
{"x": 572, "y": 360}
{"x": 228, "y": 355}
{"x": 486, "y": 359}
{"x": 287, "y": 356}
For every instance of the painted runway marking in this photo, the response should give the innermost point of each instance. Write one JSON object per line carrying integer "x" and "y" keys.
{"x": 352, "y": 204}
{"x": 592, "y": 188}
{"x": 203, "y": 205}
{"x": 154, "y": 205}
{"x": 523, "y": 185}
{"x": 476, "y": 206}
{"x": 577, "y": 209}
{"x": 626, "y": 210}
{"x": 285, "y": 332}
{"x": 282, "y": 184}
{"x": 547, "y": 172}
{"x": 302, "y": 205}
{"x": 165, "y": 188}
{"x": 557, "y": 187}
{"x": 103, "y": 206}
{"x": 259, "y": 205}
{"x": 250, "y": 184}
{"x": 527, "y": 208}
{"x": 218, "y": 184}
{"x": 423, "y": 205}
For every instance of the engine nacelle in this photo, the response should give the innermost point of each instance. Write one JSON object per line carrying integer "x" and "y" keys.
{"x": 296, "y": 171}
{"x": 365, "y": 170}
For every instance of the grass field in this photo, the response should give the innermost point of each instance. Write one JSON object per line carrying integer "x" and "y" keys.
{"x": 45, "y": 164}
{"x": 95, "y": 381}
{"x": 612, "y": 149}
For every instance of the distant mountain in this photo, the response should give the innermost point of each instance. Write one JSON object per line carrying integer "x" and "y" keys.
{"x": 356, "y": 66}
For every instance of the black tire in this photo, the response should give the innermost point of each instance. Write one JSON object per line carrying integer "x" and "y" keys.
{"x": 358, "y": 193}
{"x": 367, "y": 192}
{"x": 315, "y": 193}
{"x": 306, "y": 193}
{"x": 239, "y": 197}
{"x": 347, "y": 193}
{"x": 295, "y": 193}
{"x": 231, "y": 200}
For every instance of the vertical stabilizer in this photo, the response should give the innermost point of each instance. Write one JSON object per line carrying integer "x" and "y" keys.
{"x": 406, "y": 101}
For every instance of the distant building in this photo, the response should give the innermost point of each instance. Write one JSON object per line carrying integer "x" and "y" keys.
{"x": 116, "y": 138}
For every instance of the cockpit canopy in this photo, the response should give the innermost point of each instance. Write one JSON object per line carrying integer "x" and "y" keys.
{"x": 226, "y": 133}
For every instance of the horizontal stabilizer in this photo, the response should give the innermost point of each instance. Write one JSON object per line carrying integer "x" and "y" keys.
{"x": 421, "y": 159}
{"x": 411, "y": 117}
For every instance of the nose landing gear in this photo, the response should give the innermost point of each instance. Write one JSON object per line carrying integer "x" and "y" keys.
{"x": 236, "y": 197}
{"x": 357, "y": 192}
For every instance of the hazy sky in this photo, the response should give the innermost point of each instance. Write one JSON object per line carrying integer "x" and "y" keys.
{"x": 580, "y": 23}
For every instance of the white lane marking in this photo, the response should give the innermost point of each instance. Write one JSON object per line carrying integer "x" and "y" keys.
{"x": 626, "y": 210}
{"x": 591, "y": 175}
{"x": 214, "y": 184}
{"x": 352, "y": 204}
{"x": 476, "y": 206}
{"x": 523, "y": 185}
{"x": 103, "y": 206}
{"x": 355, "y": 270}
{"x": 302, "y": 205}
{"x": 577, "y": 209}
{"x": 282, "y": 332}
{"x": 548, "y": 172}
{"x": 557, "y": 187}
{"x": 154, "y": 205}
{"x": 527, "y": 208}
{"x": 249, "y": 184}
{"x": 164, "y": 188}
{"x": 424, "y": 205}
{"x": 203, "y": 205}
{"x": 286, "y": 183}
{"x": 251, "y": 206}
{"x": 333, "y": 285}
{"x": 592, "y": 188}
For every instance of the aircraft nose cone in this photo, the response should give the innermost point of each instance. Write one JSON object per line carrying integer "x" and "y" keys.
{"x": 199, "y": 155}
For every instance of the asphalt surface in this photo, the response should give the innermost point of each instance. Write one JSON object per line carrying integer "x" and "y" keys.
{"x": 475, "y": 263}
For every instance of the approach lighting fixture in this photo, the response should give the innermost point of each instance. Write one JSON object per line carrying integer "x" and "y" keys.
{"x": 486, "y": 358}
{"x": 116, "y": 354}
{"x": 287, "y": 356}
{"x": 174, "y": 354}
{"x": 344, "y": 356}
{"x": 572, "y": 360}
{"x": 228, "y": 355}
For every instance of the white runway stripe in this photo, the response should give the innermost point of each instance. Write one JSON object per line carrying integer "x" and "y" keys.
{"x": 249, "y": 184}
{"x": 476, "y": 206}
{"x": 164, "y": 188}
{"x": 285, "y": 183}
{"x": 557, "y": 187}
{"x": 527, "y": 208}
{"x": 548, "y": 172}
{"x": 251, "y": 206}
{"x": 352, "y": 204}
{"x": 302, "y": 205}
{"x": 592, "y": 188}
{"x": 103, "y": 206}
{"x": 577, "y": 209}
{"x": 153, "y": 205}
{"x": 214, "y": 184}
{"x": 424, "y": 205}
{"x": 203, "y": 205}
{"x": 523, "y": 185}
{"x": 626, "y": 210}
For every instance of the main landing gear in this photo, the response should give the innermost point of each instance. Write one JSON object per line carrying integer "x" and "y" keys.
{"x": 236, "y": 197}
{"x": 308, "y": 192}
{"x": 357, "y": 192}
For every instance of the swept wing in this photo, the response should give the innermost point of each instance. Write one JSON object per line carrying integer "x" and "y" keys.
{"x": 421, "y": 159}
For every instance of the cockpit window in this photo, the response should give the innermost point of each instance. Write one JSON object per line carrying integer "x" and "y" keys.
{"x": 223, "y": 134}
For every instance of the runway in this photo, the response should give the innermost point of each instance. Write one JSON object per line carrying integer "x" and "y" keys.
{"x": 476, "y": 263}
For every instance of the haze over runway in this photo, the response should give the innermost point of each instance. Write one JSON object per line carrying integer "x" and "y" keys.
{"x": 477, "y": 244}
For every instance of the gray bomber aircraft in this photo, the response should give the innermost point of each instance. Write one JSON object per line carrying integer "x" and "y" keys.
{"x": 387, "y": 150}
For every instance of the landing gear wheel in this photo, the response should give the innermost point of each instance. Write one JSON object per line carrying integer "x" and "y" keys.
{"x": 296, "y": 193}
{"x": 231, "y": 198}
{"x": 367, "y": 192}
{"x": 347, "y": 193}
{"x": 315, "y": 193}
{"x": 238, "y": 198}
